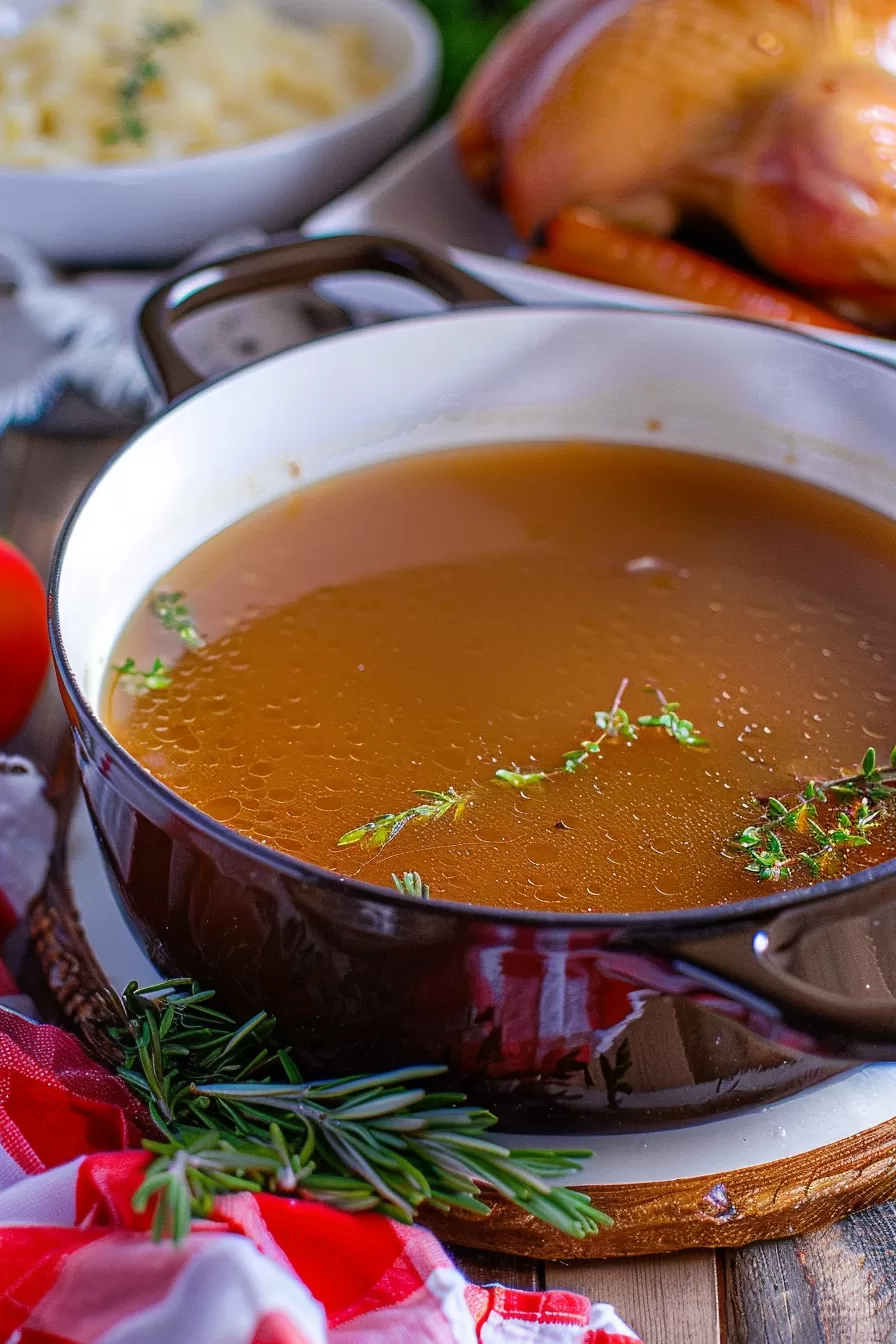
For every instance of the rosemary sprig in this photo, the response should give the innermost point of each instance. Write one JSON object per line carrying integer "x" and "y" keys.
{"x": 411, "y": 884}
{"x": 135, "y": 682}
{"x": 171, "y": 609}
{"x": 436, "y": 805}
{"x": 763, "y": 843}
{"x": 234, "y": 1114}
{"x": 144, "y": 68}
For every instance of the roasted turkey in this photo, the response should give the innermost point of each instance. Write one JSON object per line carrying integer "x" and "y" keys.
{"x": 775, "y": 117}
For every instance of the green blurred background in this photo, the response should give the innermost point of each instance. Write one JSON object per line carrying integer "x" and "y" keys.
{"x": 468, "y": 27}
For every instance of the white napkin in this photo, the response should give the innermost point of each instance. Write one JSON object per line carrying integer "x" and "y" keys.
{"x": 76, "y": 335}
{"x": 27, "y": 830}
{"x": 87, "y": 350}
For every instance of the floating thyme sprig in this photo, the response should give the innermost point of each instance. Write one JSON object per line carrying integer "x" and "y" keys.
{"x": 234, "y": 1114}
{"x": 436, "y": 805}
{"x": 763, "y": 842}
{"x": 144, "y": 68}
{"x": 411, "y": 884}
{"x": 681, "y": 730}
{"x": 130, "y": 678}
{"x": 171, "y": 609}
{"x": 612, "y": 723}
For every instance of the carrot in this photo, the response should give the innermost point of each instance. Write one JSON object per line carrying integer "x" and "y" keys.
{"x": 581, "y": 242}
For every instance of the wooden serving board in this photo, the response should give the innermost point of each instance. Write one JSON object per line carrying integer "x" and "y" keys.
{"x": 792, "y": 1167}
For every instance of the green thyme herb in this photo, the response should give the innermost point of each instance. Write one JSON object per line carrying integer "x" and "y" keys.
{"x": 436, "y": 805}
{"x": 864, "y": 797}
{"x": 144, "y": 67}
{"x": 611, "y": 723}
{"x": 614, "y": 722}
{"x": 233, "y": 1113}
{"x": 520, "y": 779}
{"x": 131, "y": 679}
{"x": 681, "y": 730}
{"x": 411, "y": 884}
{"x": 171, "y": 609}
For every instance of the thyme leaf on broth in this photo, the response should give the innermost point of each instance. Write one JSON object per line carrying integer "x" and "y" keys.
{"x": 681, "y": 730}
{"x": 411, "y": 884}
{"x": 577, "y": 759}
{"x": 613, "y": 723}
{"x": 174, "y": 614}
{"x": 520, "y": 779}
{"x": 436, "y": 805}
{"x": 144, "y": 68}
{"x": 172, "y": 610}
{"x": 763, "y": 843}
{"x": 136, "y": 682}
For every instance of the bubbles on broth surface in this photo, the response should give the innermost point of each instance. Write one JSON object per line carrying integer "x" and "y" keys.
{"x": 420, "y": 624}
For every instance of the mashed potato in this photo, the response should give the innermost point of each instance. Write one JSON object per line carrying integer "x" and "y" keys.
{"x": 117, "y": 81}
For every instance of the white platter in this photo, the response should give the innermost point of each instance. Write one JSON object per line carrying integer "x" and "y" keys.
{"x": 421, "y": 195}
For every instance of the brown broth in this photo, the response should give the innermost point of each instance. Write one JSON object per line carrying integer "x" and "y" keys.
{"x": 419, "y": 624}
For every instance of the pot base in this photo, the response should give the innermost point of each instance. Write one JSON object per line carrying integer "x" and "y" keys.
{"x": 787, "y": 1168}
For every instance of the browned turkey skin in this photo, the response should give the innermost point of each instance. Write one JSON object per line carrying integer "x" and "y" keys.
{"x": 777, "y": 117}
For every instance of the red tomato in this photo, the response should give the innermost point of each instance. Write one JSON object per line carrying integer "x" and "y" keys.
{"x": 24, "y": 644}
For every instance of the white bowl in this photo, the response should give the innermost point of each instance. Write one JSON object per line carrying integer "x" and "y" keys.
{"x": 105, "y": 215}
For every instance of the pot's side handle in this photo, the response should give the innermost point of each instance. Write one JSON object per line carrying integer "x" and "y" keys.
{"x": 823, "y": 969}
{"x": 291, "y": 263}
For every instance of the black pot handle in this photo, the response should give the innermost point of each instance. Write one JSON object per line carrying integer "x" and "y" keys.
{"x": 822, "y": 968}
{"x": 290, "y": 263}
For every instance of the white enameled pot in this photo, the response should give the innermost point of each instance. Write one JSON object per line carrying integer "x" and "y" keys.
{"x": 274, "y": 931}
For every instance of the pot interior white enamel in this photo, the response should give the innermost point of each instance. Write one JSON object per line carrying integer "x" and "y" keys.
{"x": 713, "y": 385}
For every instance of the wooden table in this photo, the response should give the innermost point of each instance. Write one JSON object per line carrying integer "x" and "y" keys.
{"x": 835, "y": 1287}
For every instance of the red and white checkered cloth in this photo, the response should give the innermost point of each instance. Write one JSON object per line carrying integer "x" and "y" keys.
{"x": 77, "y": 1265}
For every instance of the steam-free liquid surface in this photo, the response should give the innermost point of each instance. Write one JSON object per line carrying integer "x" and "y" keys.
{"x": 419, "y": 625}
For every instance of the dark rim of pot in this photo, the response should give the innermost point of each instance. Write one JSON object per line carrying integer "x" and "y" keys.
{"x": 661, "y": 921}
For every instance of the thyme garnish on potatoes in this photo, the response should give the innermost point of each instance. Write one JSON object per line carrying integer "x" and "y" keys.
{"x": 143, "y": 70}
{"x": 233, "y": 1113}
{"x": 612, "y": 723}
{"x": 137, "y": 682}
{"x": 865, "y": 798}
{"x": 172, "y": 610}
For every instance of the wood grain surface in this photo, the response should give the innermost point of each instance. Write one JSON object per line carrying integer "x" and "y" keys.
{"x": 673, "y": 1298}
{"x": 837, "y": 1286}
